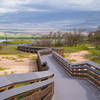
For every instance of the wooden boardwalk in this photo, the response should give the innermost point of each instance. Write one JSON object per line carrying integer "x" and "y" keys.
{"x": 68, "y": 88}
{"x": 58, "y": 72}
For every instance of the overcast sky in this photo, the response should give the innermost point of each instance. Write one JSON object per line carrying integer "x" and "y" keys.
{"x": 46, "y": 13}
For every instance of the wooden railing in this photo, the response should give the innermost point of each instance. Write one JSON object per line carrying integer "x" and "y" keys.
{"x": 40, "y": 85}
{"x": 30, "y": 48}
{"x": 33, "y": 86}
{"x": 85, "y": 70}
{"x": 32, "y": 89}
{"x": 11, "y": 81}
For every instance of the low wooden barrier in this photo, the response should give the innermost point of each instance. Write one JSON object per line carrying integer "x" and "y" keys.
{"x": 30, "y": 48}
{"x": 59, "y": 51}
{"x": 45, "y": 51}
{"x": 40, "y": 85}
{"x": 85, "y": 70}
{"x": 32, "y": 90}
{"x": 45, "y": 93}
{"x": 35, "y": 85}
{"x": 11, "y": 81}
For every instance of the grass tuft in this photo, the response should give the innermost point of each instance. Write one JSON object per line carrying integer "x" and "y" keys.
{"x": 3, "y": 68}
{"x": 33, "y": 58}
{"x": 9, "y": 49}
{"x": 72, "y": 60}
{"x": 94, "y": 55}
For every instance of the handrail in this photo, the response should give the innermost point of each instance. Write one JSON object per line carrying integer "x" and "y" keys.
{"x": 22, "y": 78}
{"x": 20, "y": 90}
{"x": 88, "y": 69}
{"x": 80, "y": 70}
{"x": 33, "y": 78}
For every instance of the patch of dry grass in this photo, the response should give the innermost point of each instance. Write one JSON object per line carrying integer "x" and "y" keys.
{"x": 9, "y": 58}
{"x": 72, "y": 60}
{"x": 3, "y": 68}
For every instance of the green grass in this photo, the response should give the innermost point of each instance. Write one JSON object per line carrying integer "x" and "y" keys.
{"x": 24, "y": 95}
{"x": 18, "y": 36}
{"x": 94, "y": 55}
{"x": 27, "y": 55}
{"x": 33, "y": 58}
{"x": 70, "y": 49}
{"x": 19, "y": 60}
{"x": 71, "y": 60}
{"x": 12, "y": 49}
{"x": 23, "y": 55}
{"x": 9, "y": 58}
{"x": 22, "y": 41}
{"x": 2, "y": 68}
{"x": 9, "y": 49}
{"x": 19, "y": 85}
{"x": 66, "y": 56}
{"x": 95, "y": 52}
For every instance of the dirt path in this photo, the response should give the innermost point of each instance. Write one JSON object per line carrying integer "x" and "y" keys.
{"x": 77, "y": 56}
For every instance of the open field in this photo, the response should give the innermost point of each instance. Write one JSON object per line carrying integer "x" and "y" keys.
{"x": 14, "y": 61}
{"x": 81, "y": 53}
{"x": 17, "y": 64}
{"x": 94, "y": 55}
{"x": 22, "y": 41}
{"x": 77, "y": 57}
{"x": 71, "y": 49}
{"x": 9, "y": 49}
{"x": 11, "y": 59}
{"x": 18, "y": 36}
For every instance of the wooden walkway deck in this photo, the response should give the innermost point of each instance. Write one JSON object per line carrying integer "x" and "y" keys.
{"x": 65, "y": 86}
{"x": 68, "y": 88}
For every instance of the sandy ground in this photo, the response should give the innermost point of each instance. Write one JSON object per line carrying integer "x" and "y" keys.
{"x": 77, "y": 56}
{"x": 17, "y": 65}
{"x": 14, "y": 64}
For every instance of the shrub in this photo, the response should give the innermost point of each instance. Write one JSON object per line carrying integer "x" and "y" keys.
{"x": 95, "y": 52}
{"x": 98, "y": 47}
{"x": 82, "y": 47}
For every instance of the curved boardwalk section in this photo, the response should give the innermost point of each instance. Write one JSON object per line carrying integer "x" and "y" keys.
{"x": 33, "y": 86}
{"x": 72, "y": 81}
{"x": 69, "y": 88}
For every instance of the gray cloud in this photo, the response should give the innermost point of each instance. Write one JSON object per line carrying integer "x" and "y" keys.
{"x": 8, "y": 6}
{"x": 8, "y": 18}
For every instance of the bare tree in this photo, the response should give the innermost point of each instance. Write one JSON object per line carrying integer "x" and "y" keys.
{"x": 94, "y": 37}
{"x": 73, "y": 38}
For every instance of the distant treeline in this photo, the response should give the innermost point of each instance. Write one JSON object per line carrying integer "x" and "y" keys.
{"x": 70, "y": 38}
